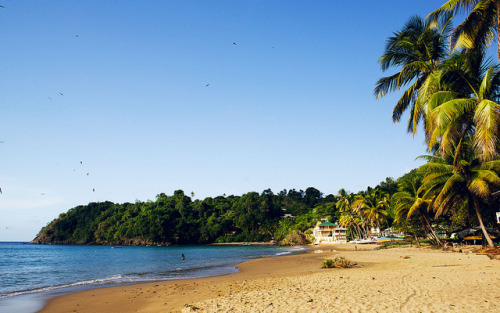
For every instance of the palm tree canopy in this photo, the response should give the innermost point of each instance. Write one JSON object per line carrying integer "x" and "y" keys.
{"x": 417, "y": 50}
{"x": 477, "y": 31}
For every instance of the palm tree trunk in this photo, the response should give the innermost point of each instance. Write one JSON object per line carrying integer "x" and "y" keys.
{"x": 432, "y": 230}
{"x": 356, "y": 228}
{"x": 485, "y": 233}
{"x": 424, "y": 226}
{"x": 416, "y": 239}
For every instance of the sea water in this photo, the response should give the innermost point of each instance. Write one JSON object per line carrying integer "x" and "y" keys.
{"x": 31, "y": 274}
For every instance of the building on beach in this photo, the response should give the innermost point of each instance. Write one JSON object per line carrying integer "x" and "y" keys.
{"x": 329, "y": 232}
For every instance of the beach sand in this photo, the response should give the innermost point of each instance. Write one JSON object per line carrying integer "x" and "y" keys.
{"x": 388, "y": 280}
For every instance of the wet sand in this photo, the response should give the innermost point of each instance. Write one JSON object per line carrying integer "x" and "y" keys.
{"x": 388, "y": 280}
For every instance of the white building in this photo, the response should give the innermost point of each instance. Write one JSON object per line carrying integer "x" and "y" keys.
{"x": 329, "y": 232}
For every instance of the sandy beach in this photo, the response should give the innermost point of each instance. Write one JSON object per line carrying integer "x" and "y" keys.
{"x": 390, "y": 280}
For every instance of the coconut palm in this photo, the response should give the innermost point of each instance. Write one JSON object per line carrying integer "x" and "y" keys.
{"x": 460, "y": 179}
{"x": 417, "y": 50}
{"x": 372, "y": 206}
{"x": 408, "y": 203}
{"x": 477, "y": 31}
{"x": 348, "y": 217}
{"x": 460, "y": 100}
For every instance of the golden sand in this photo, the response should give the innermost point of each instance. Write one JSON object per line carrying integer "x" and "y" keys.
{"x": 389, "y": 280}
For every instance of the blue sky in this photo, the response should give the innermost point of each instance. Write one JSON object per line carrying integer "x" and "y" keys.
{"x": 121, "y": 86}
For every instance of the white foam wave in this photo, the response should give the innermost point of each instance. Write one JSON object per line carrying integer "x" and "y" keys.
{"x": 283, "y": 253}
{"x": 115, "y": 278}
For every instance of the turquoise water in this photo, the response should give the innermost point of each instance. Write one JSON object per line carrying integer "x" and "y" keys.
{"x": 30, "y": 274}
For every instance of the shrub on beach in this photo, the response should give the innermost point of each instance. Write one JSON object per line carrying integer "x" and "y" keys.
{"x": 338, "y": 262}
{"x": 294, "y": 239}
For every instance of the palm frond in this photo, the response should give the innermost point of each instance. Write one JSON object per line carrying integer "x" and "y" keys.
{"x": 487, "y": 121}
{"x": 479, "y": 187}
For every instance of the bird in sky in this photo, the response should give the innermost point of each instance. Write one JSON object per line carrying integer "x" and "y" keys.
{"x": 93, "y": 189}
{"x": 81, "y": 162}
{"x": 1, "y": 190}
{"x": 50, "y": 98}
{"x": 2, "y": 141}
{"x": 61, "y": 93}
{"x": 87, "y": 174}
{"x": 42, "y": 194}
{"x": 207, "y": 85}
{"x": 234, "y": 43}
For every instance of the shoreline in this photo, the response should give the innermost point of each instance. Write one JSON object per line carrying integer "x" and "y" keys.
{"x": 52, "y": 304}
{"x": 398, "y": 279}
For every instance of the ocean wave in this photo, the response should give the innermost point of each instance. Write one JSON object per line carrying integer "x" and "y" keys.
{"x": 112, "y": 279}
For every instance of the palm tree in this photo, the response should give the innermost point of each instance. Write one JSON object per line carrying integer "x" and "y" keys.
{"x": 408, "y": 202}
{"x": 477, "y": 31}
{"x": 460, "y": 100}
{"x": 348, "y": 217}
{"x": 461, "y": 179}
{"x": 418, "y": 50}
{"x": 372, "y": 206}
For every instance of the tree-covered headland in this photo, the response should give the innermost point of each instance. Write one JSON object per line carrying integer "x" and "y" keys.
{"x": 177, "y": 219}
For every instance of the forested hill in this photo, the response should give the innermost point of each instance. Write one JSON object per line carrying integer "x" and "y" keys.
{"x": 177, "y": 219}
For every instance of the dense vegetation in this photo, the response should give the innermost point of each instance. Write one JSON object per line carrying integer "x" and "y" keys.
{"x": 177, "y": 219}
{"x": 453, "y": 94}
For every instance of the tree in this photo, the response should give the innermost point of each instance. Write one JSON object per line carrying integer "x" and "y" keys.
{"x": 461, "y": 101}
{"x": 477, "y": 31}
{"x": 372, "y": 206}
{"x": 348, "y": 217}
{"x": 417, "y": 50}
{"x": 408, "y": 203}
{"x": 461, "y": 179}
{"x": 312, "y": 196}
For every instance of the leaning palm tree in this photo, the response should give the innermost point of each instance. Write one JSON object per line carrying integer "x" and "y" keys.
{"x": 348, "y": 217}
{"x": 461, "y": 179}
{"x": 372, "y": 206}
{"x": 417, "y": 50}
{"x": 477, "y": 31}
{"x": 408, "y": 203}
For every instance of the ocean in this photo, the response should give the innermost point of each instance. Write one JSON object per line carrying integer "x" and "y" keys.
{"x": 31, "y": 274}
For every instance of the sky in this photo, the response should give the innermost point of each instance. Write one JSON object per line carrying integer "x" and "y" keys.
{"x": 123, "y": 100}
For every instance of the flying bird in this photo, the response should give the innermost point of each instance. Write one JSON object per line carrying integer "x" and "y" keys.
{"x": 61, "y": 93}
{"x": 87, "y": 174}
{"x": 1, "y": 190}
{"x": 81, "y": 162}
{"x": 207, "y": 85}
{"x": 93, "y": 189}
{"x": 50, "y": 98}
{"x": 234, "y": 43}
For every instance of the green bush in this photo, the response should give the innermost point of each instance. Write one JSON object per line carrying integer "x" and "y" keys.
{"x": 338, "y": 262}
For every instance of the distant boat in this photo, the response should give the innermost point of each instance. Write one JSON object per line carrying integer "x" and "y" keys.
{"x": 364, "y": 241}
{"x": 116, "y": 247}
{"x": 388, "y": 239}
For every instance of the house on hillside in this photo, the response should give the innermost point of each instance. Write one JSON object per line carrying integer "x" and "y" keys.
{"x": 329, "y": 232}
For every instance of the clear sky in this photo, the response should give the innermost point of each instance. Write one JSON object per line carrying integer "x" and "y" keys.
{"x": 135, "y": 98}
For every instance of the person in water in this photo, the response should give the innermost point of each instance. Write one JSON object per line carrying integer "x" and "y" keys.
{"x": 182, "y": 257}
